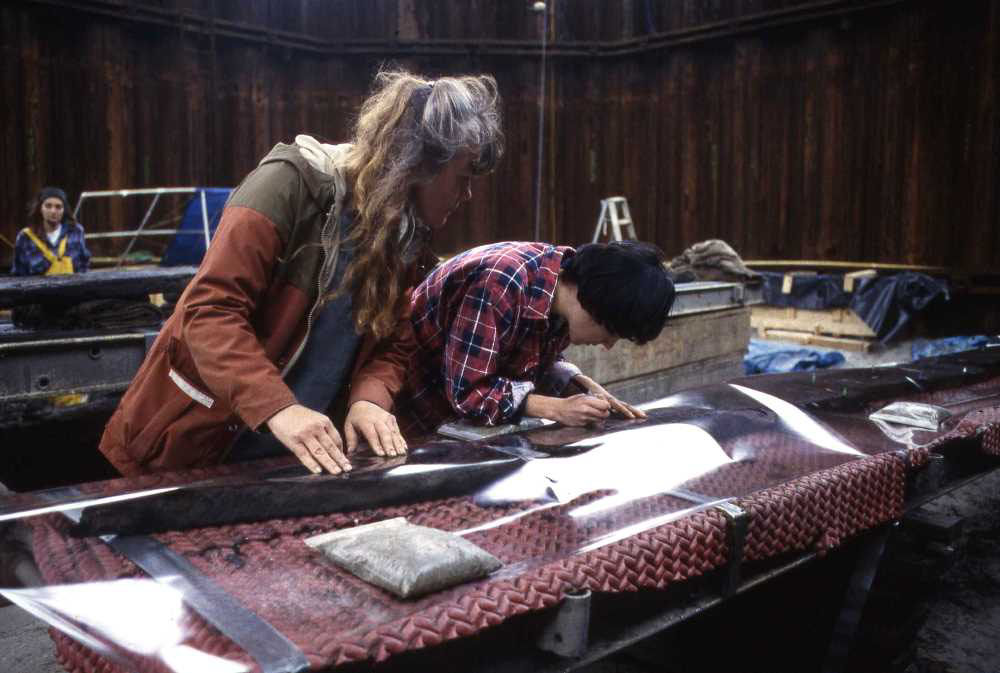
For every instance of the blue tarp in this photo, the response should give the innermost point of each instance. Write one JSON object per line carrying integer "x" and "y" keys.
{"x": 770, "y": 358}
{"x": 925, "y": 348}
{"x": 189, "y": 248}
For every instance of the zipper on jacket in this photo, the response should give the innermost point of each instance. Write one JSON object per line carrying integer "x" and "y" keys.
{"x": 330, "y": 220}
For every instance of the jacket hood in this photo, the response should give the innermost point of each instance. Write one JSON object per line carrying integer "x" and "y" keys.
{"x": 325, "y": 158}
{"x": 321, "y": 166}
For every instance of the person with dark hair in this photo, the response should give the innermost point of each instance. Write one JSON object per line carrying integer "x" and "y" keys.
{"x": 53, "y": 241}
{"x": 308, "y": 274}
{"x": 492, "y": 322}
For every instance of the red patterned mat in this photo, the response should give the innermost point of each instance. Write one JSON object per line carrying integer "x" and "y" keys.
{"x": 799, "y": 497}
{"x": 335, "y": 618}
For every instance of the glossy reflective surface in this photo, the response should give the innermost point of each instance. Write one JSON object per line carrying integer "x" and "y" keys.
{"x": 532, "y": 499}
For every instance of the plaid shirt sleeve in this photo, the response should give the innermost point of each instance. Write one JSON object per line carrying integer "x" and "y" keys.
{"x": 23, "y": 248}
{"x": 479, "y": 333}
{"x": 558, "y": 376}
{"x": 78, "y": 249}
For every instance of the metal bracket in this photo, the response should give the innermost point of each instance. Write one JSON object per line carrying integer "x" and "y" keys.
{"x": 906, "y": 458}
{"x": 736, "y": 535}
{"x": 846, "y": 627}
{"x": 41, "y": 368}
{"x": 739, "y": 292}
{"x": 568, "y": 632}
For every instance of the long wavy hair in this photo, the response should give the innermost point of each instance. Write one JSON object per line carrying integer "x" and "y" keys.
{"x": 407, "y": 130}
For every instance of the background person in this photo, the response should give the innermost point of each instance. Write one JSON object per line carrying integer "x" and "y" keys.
{"x": 306, "y": 277}
{"x": 53, "y": 241}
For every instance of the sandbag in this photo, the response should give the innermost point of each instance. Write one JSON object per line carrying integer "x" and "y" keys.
{"x": 405, "y": 559}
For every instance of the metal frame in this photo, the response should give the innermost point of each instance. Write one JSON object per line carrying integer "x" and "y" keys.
{"x": 701, "y": 296}
{"x": 42, "y": 368}
{"x": 156, "y": 192}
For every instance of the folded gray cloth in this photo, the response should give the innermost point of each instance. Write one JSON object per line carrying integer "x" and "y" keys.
{"x": 713, "y": 259}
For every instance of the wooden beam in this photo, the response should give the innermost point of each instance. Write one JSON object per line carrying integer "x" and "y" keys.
{"x": 852, "y": 277}
{"x": 826, "y": 264}
{"x": 78, "y": 287}
{"x": 789, "y": 280}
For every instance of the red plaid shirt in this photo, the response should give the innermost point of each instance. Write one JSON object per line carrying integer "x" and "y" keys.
{"x": 485, "y": 339}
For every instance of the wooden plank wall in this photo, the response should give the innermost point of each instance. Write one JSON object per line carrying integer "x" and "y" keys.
{"x": 868, "y": 135}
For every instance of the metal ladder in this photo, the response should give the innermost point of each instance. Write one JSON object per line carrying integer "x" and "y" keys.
{"x": 614, "y": 212}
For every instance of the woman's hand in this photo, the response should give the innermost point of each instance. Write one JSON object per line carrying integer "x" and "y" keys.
{"x": 617, "y": 406}
{"x": 311, "y": 436}
{"x": 377, "y": 426}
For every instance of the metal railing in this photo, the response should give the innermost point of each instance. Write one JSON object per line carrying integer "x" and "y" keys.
{"x": 156, "y": 193}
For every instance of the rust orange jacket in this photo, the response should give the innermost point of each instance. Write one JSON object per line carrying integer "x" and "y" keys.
{"x": 216, "y": 366}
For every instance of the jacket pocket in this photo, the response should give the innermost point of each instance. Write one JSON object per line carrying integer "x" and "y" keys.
{"x": 191, "y": 391}
{"x": 180, "y": 423}
{"x": 146, "y": 440}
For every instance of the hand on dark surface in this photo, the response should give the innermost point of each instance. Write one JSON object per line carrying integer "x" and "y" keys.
{"x": 311, "y": 436}
{"x": 377, "y": 426}
{"x": 582, "y": 409}
{"x": 618, "y": 407}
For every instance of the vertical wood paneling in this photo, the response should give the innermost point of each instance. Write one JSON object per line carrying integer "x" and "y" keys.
{"x": 872, "y": 137}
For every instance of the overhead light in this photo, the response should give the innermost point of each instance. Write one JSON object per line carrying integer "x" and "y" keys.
{"x": 538, "y": 6}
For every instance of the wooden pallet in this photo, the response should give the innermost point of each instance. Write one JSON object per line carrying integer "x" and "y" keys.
{"x": 838, "y": 322}
{"x": 860, "y": 345}
{"x": 837, "y": 328}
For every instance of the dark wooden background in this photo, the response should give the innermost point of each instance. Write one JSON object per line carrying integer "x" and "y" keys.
{"x": 831, "y": 130}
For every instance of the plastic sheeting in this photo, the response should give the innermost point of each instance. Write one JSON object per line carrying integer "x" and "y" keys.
{"x": 884, "y": 303}
{"x": 189, "y": 247}
{"x": 926, "y": 348}
{"x": 769, "y": 358}
{"x": 627, "y": 506}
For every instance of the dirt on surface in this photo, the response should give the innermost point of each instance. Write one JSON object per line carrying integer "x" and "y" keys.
{"x": 961, "y": 633}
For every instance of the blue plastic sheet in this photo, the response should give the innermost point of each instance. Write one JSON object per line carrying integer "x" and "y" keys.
{"x": 187, "y": 247}
{"x": 770, "y": 358}
{"x": 813, "y": 293}
{"x": 925, "y": 348}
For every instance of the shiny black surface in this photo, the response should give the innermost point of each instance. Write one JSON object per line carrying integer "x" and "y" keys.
{"x": 714, "y": 442}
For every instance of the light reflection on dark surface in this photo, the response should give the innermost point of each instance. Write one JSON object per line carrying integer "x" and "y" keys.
{"x": 123, "y": 618}
{"x": 575, "y": 489}
{"x": 634, "y": 462}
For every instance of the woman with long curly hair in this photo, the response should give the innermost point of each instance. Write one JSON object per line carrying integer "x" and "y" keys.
{"x": 53, "y": 242}
{"x": 306, "y": 280}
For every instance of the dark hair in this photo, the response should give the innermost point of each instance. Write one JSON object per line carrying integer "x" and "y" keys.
{"x": 35, "y": 208}
{"x": 624, "y": 286}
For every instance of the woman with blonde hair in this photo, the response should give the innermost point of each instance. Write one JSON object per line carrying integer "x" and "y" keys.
{"x": 305, "y": 280}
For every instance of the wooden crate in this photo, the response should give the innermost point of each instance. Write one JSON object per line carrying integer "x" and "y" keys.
{"x": 839, "y": 328}
{"x": 693, "y": 350}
